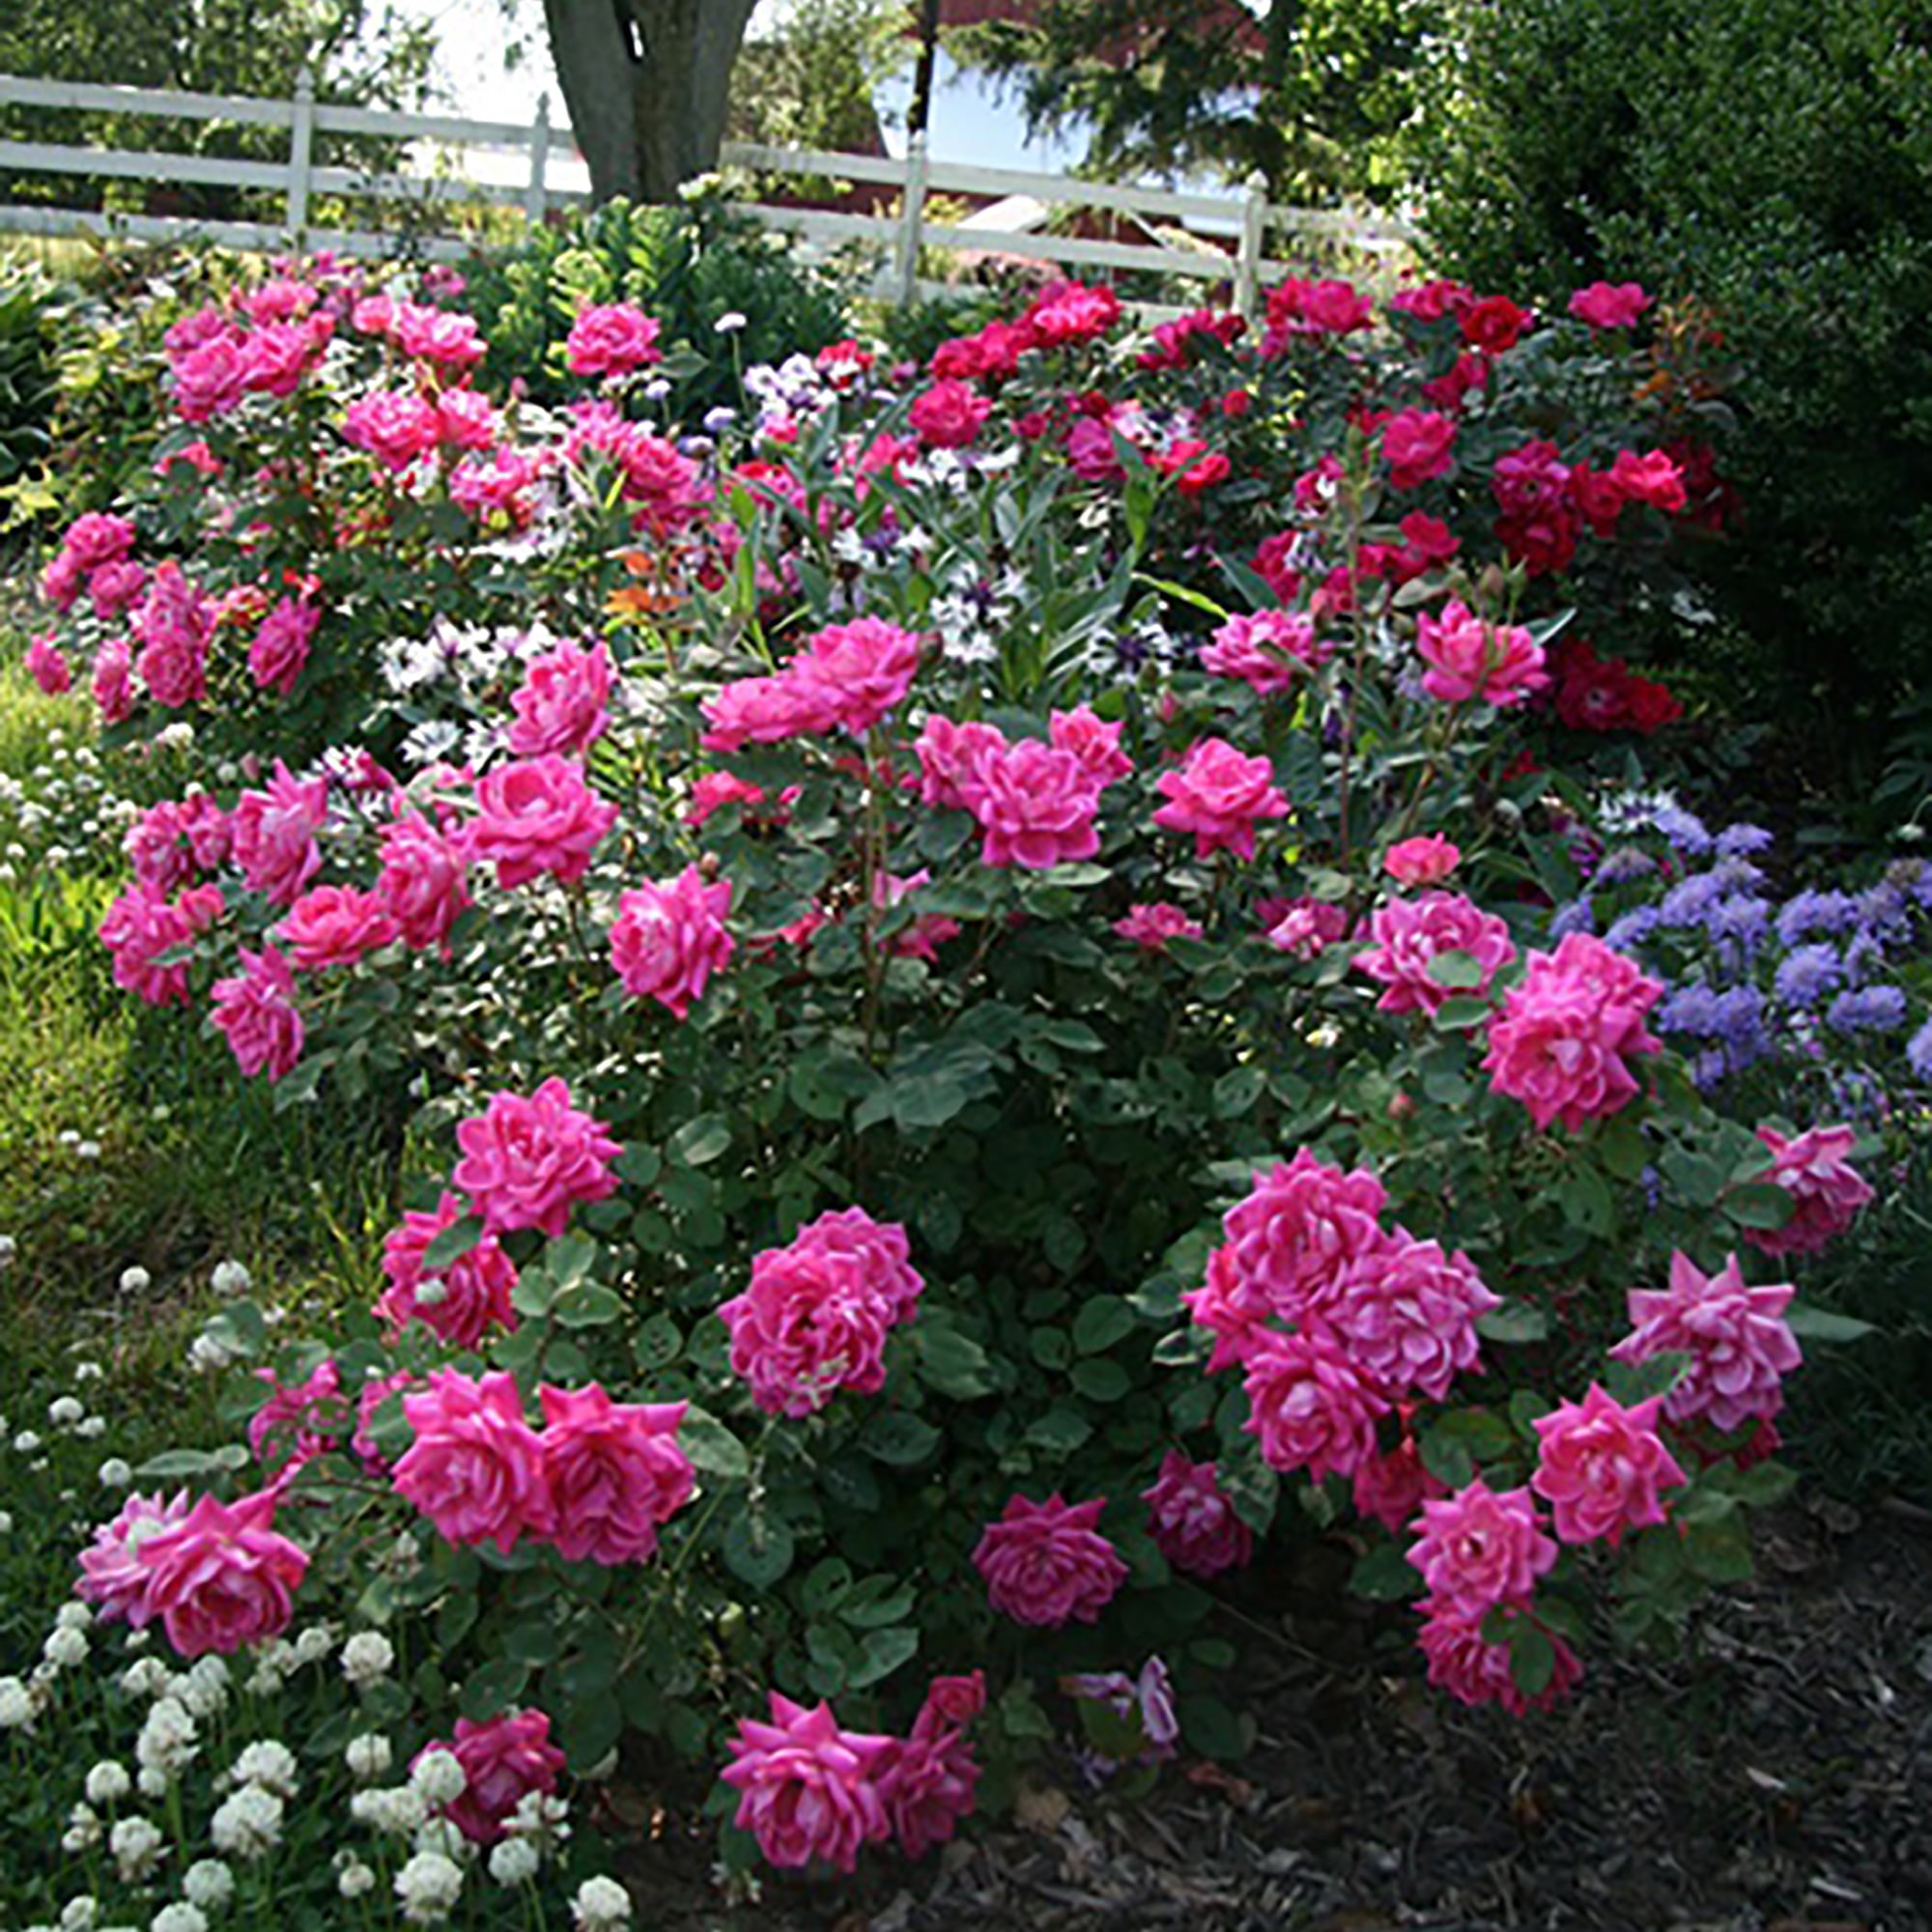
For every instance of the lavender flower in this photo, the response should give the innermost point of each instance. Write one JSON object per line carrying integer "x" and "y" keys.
{"x": 1868, "y": 1009}
{"x": 1740, "y": 841}
{"x": 1740, "y": 920}
{"x": 1807, "y": 973}
{"x": 1638, "y": 924}
{"x": 1689, "y": 901}
{"x": 1576, "y": 915}
{"x": 1683, "y": 829}
{"x": 1918, "y": 1052}
{"x": 1624, "y": 865}
{"x": 1805, "y": 913}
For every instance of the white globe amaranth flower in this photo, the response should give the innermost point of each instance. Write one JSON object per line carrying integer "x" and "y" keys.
{"x": 136, "y": 1845}
{"x": 367, "y": 1756}
{"x": 367, "y": 1657}
{"x": 179, "y": 1917}
{"x": 428, "y": 1886}
{"x": 437, "y": 1778}
{"x": 269, "y": 1765}
{"x": 207, "y": 1882}
{"x": 356, "y": 1879}
{"x": 601, "y": 1905}
{"x": 514, "y": 1862}
{"x": 247, "y": 1824}
{"x": 108, "y": 1782}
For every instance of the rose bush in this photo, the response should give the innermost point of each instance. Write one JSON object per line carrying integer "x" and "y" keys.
{"x": 914, "y": 946}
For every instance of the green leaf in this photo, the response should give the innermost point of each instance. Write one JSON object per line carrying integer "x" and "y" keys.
{"x": 1061, "y": 1429}
{"x": 900, "y": 1438}
{"x": 1515, "y": 1321}
{"x": 711, "y": 1446}
{"x": 1209, "y": 1727}
{"x": 659, "y": 1343}
{"x": 452, "y": 1244}
{"x": 1759, "y": 1204}
{"x": 1719, "y": 1551}
{"x": 700, "y": 1140}
{"x": 1236, "y": 1092}
{"x": 1825, "y": 1324}
{"x": 1101, "y": 1324}
{"x": 569, "y": 1259}
{"x": 758, "y": 1554}
{"x": 882, "y": 1653}
{"x": 951, "y": 1362}
{"x": 1456, "y": 968}
{"x": 876, "y": 1602}
{"x": 1764, "y": 1484}
{"x": 1621, "y": 1146}
{"x": 588, "y": 1304}
{"x": 1100, "y": 1379}
{"x": 1460, "y": 1014}
{"x": 1386, "y": 1576}
{"x": 1532, "y": 1657}
{"x": 1584, "y": 1197}
{"x": 489, "y": 1689}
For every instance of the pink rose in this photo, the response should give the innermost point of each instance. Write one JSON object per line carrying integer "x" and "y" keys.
{"x": 504, "y": 1759}
{"x": 1418, "y": 444}
{"x": 1468, "y": 659}
{"x": 859, "y": 671}
{"x": 1421, "y": 862}
{"x": 1193, "y": 1521}
{"x": 1599, "y": 1467}
{"x": 1301, "y": 1225}
{"x": 611, "y": 339}
{"x": 282, "y": 646}
{"x": 278, "y": 354}
{"x": 565, "y": 702}
{"x": 221, "y": 1578}
{"x": 669, "y": 938}
{"x": 537, "y": 815}
{"x": 766, "y": 711}
{"x": 1390, "y": 1488}
{"x": 816, "y": 1314}
{"x": 1152, "y": 926}
{"x": 1035, "y": 805}
{"x": 949, "y": 414}
{"x": 1310, "y": 1407}
{"x": 466, "y": 420}
{"x": 421, "y": 883}
{"x": 274, "y": 835}
{"x": 451, "y": 340}
{"x": 527, "y": 1162}
{"x": 45, "y": 665}
{"x": 1219, "y": 795}
{"x": 499, "y": 484}
{"x": 1826, "y": 1190}
{"x": 208, "y": 380}
{"x": 111, "y": 682}
{"x": 947, "y": 754}
{"x": 463, "y": 1301}
{"x": 1405, "y": 1313}
{"x": 1463, "y": 1662}
{"x": 1652, "y": 478}
{"x": 174, "y": 623}
{"x": 1305, "y": 928}
{"x": 475, "y": 1468}
{"x": 256, "y": 1008}
{"x": 1479, "y": 1548}
{"x": 142, "y": 925}
{"x": 1739, "y": 1345}
{"x": 927, "y": 931}
{"x": 1271, "y": 651}
{"x": 612, "y": 1473}
{"x": 1610, "y": 304}
{"x": 1047, "y": 1564}
{"x": 1408, "y": 934}
{"x": 115, "y": 588}
{"x": 926, "y": 1784}
{"x": 113, "y": 1578}
{"x": 1071, "y": 312}
{"x": 97, "y": 539}
{"x": 395, "y": 427}
{"x": 807, "y": 1790}
{"x": 299, "y": 1420}
{"x": 335, "y": 926}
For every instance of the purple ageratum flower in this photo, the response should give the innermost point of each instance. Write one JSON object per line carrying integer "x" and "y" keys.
{"x": 1740, "y": 920}
{"x": 1638, "y": 924}
{"x": 1741, "y": 840}
{"x": 1920, "y": 886}
{"x": 1738, "y": 1014}
{"x": 1737, "y": 875}
{"x": 1865, "y": 951}
{"x": 1884, "y": 911}
{"x": 1624, "y": 865}
{"x": 1692, "y": 1009}
{"x": 1689, "y": 901}
{"x": 1576, "y": 915}
{"x": 1806, "y": 913}
{"x": 1683, "y": 829}
{"x": 1807, "y": 973}
{"x": 1868, "y": 1009}
{"x": 1918, "y": 1052}
{"x": 1708, "y": 1069}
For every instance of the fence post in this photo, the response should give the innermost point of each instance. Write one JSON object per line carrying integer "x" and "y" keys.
{"x": 533, "y": 195}
{"x": 910, "y": 217}
{"x": 301, "y": 139}
{"x": 1254, "y": 245}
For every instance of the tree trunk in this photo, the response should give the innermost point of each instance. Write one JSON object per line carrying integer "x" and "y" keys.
{"x": 590, "y": 44}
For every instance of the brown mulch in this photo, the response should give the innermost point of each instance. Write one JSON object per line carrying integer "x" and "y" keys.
{"x": 1776, "y": 1775}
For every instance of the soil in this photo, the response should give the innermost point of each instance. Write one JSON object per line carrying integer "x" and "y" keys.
{"x": 1775, "y": 1776}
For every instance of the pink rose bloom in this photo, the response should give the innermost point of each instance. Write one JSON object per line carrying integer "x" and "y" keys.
{"x": 1405, "y": 1315}
{"x": 111, "y": 682}
{"x": 1310, "y": 1407}
{"x": 669, "y": 938}
{"x": 299, "y": 1420}
{"x": 368, "y": 1404}
{"x": 527, "y": 1162}
{"x": 395, "y": 427}
{"x": 335, "y": 926}
{"x": 926, "y": 1782}
{"x": 1192, "y": 1520}
{"x": 155, "y": 847}
{"x": 1271, "y": 651}
{"x": 1390, "y": 1488}
{"x": 611, "y": 339}
{"x": 1610, "y": 304}
{"x": 537, "y": 815}
{"x": 767, "y": 711}
{"x": 421, "y": 883}
{"x": 807, "y": 1790}
{"x": 256, "y": 1008}
{"x": 949, "y": 414}
{"x": 1072, "y": 312}
{"x": 462, "y": 1303}
{"x": 564, "y": 704}
{"x": 274, "y": 835}
{"x": 499, "y": 483}
{"x": 1601, "y": 1465}
{"x": 1302, "y": 1226}
{"x": 276, "y": 356}
{"x": 1306, "y": 927}
{"x": 466, "y": 420}
{"x": 112, "y": 1578}
{"x": 1739, "y": 1345}
{"x": 47, "y": 666}
{"x": 1047, "y": 1564}
{"x": 449, "y": 339}
{"x": 475, "y": 1468}
{"x": 116, "y": 588}
{"x": 97, "y": 539}
{"x": 1421, "y": 862}
{"x": 208, "y": 381}
{"x": 504, "y": 1759}
{"x": 174, "y": 623}
{"x": 947, "y": 754}
{"x": 1233, "y": 1309}
{"x": 1152, "y": 926}
{"x": 1560, "y": 1043}
{"x": 1407, "y": 934}
{"x": 816, "y": 1314}
{"x": 1219, "y": 795}
{"x": 142, "y": 925}
{"x": 1035, "y": 805}
{"x": 1826, "y": 1190}
{"x": 282, "y": 646}
{"x": 1418, "y": 444}
{"x": 720, "y": 789}
{"x": 928, "y": 931}
{"x": 1468, "y": 659}
{"x": 612, "y": 1473}
{"x": 861, "y": 671}
{"x": 221, "y": 1578}
{"x": 61, "y": 583}
{"x": 209, "y": 834}
{"x": 1652, "y": 478}
{"x": 1479, "y": 1548}
{"x": 1094, "y": 740}
{"x": 1475, "y": 1671}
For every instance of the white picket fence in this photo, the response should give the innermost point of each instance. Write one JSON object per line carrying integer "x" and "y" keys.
{"x": 1229, "y": 235}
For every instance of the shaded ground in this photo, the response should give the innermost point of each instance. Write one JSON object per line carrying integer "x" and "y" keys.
{"x": 1777, "y": 1775}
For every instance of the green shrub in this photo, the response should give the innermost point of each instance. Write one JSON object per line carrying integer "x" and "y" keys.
{"x": 26, "y": 371}
{"x": 1773, "y": 161}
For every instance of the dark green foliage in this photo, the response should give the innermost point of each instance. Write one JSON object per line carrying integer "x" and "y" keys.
{"x": 1773, "y": 161}
{"x": 26, "y": 373}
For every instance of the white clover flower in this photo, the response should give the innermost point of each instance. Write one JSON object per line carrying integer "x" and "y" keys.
{"x": 514, "y": 1862}
{"x": 601, "y": 1905}
{"x": 367, "y": 1657}
{"x": 79, "y": 1914}
{"x": 204, "y": 1688}
{"x": 230, "y": 1277}
{"x": 147, "y": 1677}
{"x": 8, "y": 1248}
{"x": 541, "y": 1817}
{"x": 136, "y": 1844}
{"x": 116, "y": 1474}
{"x": 151, "y": 1781}
{"x": 64, "y": 1648}
{"x": 264, "y": 1680}
{"x": 428, "y": 1886}
{"x": 314, "y": 1644}
{"x": 437, "y": 1778}
{"x": 397, "y": 1809}
{"x": 356, "y": 1879}
{"x": 65, "y": 1411}
{"x": 17, "y": 1705}
{"x": 6, "y": 1524}
{"x": 83, "y": 1830}
{"x": 91, "y": 1428}
{"x": 108, "y": 1782}
{"x": 136, "y": 1280}
{"x": 26, "y": 1442}
{"x": 368, "y": 1755}
{"x": 247, "y": 1824}
{"x": 179, "y": 1916}
{"x": 209, "y": 1883}
{"x": 267, "y": 1765}
{"x": 440, "y": 1834}
{"x": 74, "y": 1615}
{"x": 207, "y": 1356}
{"x": 729, "y": 323}
{"x": 84, "y": 1149}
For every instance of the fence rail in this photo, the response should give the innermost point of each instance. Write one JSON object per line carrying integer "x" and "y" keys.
{"x": 1208, "y": 238}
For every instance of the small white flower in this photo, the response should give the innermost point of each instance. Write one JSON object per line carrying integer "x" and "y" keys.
{"x": 108, "y": 1782}
{"x": 356, "y": 1879}
{"x": 541, "y": 1817}
{"x": 367, "y": 1657}
{"x": 428, "y": 1886}
{"x": 601, "y": 1905}
{"x": 368, "y": 1755}
{"x": 73, "y": 1616}
{"x": 230, "y": 1277}
{"x": 437, "y": 1778}
{"x": 514, "y": 1862}
{"x": 91, "y": 1428}
{"x": 729, "y": 323}
{"x": 204, "y": 1688}
{"x": 64, "y": 1648}
{"x": 249, "y": 1824}
{"x": 314, "y": 1644}
{"x": 116, "y": 1474}
{"x": 397, "y": 1809}
{"x": 78, "y": 1915}
{"x": 69, "y": 1137}
{"x": 179, "y": 1916}
{"x": 26, "y": 1442}
{"x": 65, "y": 1411}
{"x": 136, "y": 1280}
{"x": 136, "y": 1844}
{"x": 269, "y": 1765}
{"x": 17, "y": 1705}
{"x": 440, "y": 1834}
{"x": 152, "y": 1781}
{"x": 147, "y": 1677}
{"x": 209, "y": 1883}
{"x": 6, "y": 1524}
{"x": 8, "y": 1248}
{"x": 84, "y": 1828}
